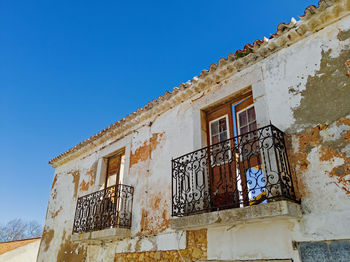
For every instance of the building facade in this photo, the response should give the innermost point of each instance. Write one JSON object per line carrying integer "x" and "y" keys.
{"x": 249, "y": 161}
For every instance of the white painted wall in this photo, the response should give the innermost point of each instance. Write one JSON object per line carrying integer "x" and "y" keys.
{"x": 267, "y": 239}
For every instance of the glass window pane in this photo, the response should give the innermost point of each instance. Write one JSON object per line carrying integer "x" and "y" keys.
{"x": 251, "y": 114}
{"x": 222, "y": 125}
{"x": 215, "y": 139}
{"x": 223, "y": 136}
{"x": 243, "y": 118}
{"x": 243, "y": 130}
{"x": 252, "y": 126}
{"x": 214, "y": 128}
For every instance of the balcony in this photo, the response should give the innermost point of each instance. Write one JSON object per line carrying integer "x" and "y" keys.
{"x": 238, "y": 173}
{"x": 104, "y": 214}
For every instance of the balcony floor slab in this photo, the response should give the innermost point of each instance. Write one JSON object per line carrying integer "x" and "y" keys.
{"x": 236, "y": 216}
{"x": 108, "y": 234}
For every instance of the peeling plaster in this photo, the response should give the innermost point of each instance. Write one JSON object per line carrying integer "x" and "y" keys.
{"x": 76, "y": 177}
{"x": 90, "y": 178}
{"x": 56, "y": 213}
{"x": 144, "y": 152}
{"x": 329, "y": 148}
{"x": 343, "y": 35}
{"x": 155, "y": 219}
{"x": 47, "y": 237}
{"x": 327, "y": 94}
{"x": 69, "y": 251}
{"x": 196, "y": 249}
{"x": 54, "y": 181}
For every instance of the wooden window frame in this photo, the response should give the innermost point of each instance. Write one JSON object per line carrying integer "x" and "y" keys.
{"x": 237, "y": 118}
{"x": 120, "y": 153}
{"x": 226, "y": 116}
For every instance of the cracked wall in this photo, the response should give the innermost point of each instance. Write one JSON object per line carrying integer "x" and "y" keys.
{"x": 308, "y": 94}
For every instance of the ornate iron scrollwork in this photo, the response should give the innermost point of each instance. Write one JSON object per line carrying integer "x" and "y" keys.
{"x": 107, "y": 208}
{"x": 245, "y": 170}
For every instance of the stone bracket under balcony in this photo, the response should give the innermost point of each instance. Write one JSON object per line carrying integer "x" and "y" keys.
{"x": 108, "y": 234}
{"x": 235, "y": 216}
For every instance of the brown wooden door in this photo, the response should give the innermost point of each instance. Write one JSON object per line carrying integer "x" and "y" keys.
{"x": 222, "y": 166}
{"x": 248, "y": 144}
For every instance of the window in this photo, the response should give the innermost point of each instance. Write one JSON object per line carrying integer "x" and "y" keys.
{"x": 219, "y": 130}
{"x": 115, "y": 169}
{"x": 246, "y": 120}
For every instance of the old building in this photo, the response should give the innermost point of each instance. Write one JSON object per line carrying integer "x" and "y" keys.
{"x": 248, "y": 161}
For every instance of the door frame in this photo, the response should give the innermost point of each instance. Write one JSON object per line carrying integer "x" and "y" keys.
{"x": 226, "y": 110}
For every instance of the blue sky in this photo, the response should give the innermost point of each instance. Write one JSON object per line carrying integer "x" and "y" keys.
{"x": 70, "y": 68}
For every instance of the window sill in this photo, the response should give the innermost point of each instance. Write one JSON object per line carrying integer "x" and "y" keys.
{"x": 237, "y": 216}
{"x": 108, "y": 234}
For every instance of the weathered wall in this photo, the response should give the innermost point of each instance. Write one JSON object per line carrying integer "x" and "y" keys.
{"x": 306, "y": 92}
{"x": 311, "y": 87}
{"x": 303, "y": 89}
{"x": 196, "y": 249}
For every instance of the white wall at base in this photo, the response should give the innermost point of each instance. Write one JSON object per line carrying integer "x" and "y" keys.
{"x": 160, "y": 242}
{"x": 270, "y": 239}
{"x": 27, "y": 253}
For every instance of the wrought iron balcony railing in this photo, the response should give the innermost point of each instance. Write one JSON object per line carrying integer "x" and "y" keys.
{"x": 245, "y": 170}
{"x": 107, "y": 208}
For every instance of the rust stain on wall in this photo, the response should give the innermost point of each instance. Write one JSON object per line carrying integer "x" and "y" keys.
{"x": 76, "y": 177}
{"x": 47, "y": 236}
{"x": 53, "y": 189}
{"x": 54, "y": 181}
{"x": 56, "y": 213}
{"x": 144, "y": 152}
{"x": 307, "y": 141}
{"x": 292, "y": 164}
{"x": 328, "y": 152}
{"x": 347, "y": 136}
{"x": 196, "y": 250}
{"x": 69, "y": 251}
{"x": 91, "y": 174}
{"x": 340, "y": 173}
{"x": 155, "y": 219}
{"x": 347, "y": 67}
{"x": 344, "y": 121}
{"x": 343, "y": 35}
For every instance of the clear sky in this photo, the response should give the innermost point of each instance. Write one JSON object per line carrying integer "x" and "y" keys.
{"x": 70, "y": 68}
